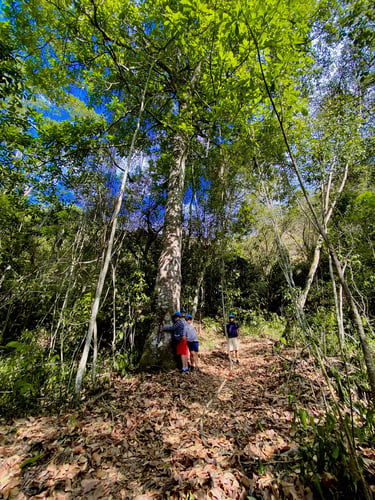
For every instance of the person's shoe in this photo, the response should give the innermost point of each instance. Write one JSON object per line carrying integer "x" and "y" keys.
{"x": 186, "y": 370}
{"x": 237, "y": 361}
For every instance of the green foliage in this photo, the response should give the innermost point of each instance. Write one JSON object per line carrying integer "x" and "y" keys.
{"x": 262, "y": 324}
{"x": 365, "y": 432}
{"x": 29, "y": 379}
{"x": 214, "y": 325}
{"x": 327, "y": 465}
{"x": 31, "y": 460}
{"x": 324, "y": 330}
{"x": 125, "y": 361}
{"x": 60, "y": 143}
{"x": 49, "y": 264}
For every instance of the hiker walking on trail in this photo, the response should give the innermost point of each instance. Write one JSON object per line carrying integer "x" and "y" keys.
{"x": 193, "y": 343}
{"x": 233, "y": 329}
{"x": 179, "y": 338}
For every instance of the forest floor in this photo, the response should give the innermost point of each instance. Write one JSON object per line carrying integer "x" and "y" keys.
{"x": 219, "y": 434}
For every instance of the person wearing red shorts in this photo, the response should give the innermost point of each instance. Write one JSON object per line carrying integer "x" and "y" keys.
{"x": 179, "y": 339}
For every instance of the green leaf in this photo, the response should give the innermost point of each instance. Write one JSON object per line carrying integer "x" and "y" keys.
{"x": 24, "y": 387}
{"x": 18, "y": 346}
{"x": 260, "y": 467}
{"x": 31, "y": 461}
{"x": 335, "y": 452}
{"x": 303, "y": 418}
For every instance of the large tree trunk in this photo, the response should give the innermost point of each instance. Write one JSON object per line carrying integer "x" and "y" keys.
{"x": 157, "y": 351}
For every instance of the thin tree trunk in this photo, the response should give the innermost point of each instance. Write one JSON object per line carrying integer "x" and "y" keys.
{"x": 367, "y": 353}
{"x": 196, "y": 293}
{"x": 70, "y": 286}
{"x": 327, "y": 213}
{"x": 108, "y": 253}
{"x": 225, "y": 317}
{"x": 95, "y": 352}
{"x": 8, "y": 268}
{"x": 312, "y": 271}
{"x": 114, "y": 311}
{"x": 341, "y": 314}
{"x": 338, "y": 304}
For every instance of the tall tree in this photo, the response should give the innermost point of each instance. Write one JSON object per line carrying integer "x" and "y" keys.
{"x": 204, "y": 83}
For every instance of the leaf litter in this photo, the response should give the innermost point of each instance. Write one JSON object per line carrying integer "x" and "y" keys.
{"x": 219, "y": 434}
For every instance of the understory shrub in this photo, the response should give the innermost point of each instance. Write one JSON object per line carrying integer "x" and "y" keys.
{"x": 30, "y": 380}
{"x": 259, "y": 324}
{"x": 327, "y": 465}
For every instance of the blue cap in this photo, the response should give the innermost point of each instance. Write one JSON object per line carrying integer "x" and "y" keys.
{"x": 231, "y": 316}
{"x": 188, "y": 316}
{"x": 177, "y": 314}
{"x": 183, "y": 310}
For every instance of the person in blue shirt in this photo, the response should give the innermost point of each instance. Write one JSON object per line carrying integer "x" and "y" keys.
{"x": 179, "y": 339}
{"x": 233, "y": 329}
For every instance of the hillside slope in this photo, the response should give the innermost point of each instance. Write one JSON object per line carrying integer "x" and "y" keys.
{"x": 217, "y": 434}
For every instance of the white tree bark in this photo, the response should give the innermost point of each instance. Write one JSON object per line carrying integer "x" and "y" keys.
{"x": 327, "y": 208}
{"x": 366, "y": 350}
{"x": 197, "y": 293}
{"x": 108, "y": 252}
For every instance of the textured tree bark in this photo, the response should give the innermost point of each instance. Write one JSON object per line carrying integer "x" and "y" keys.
{"x": 196, "y": 293}
{"x": 157, "y": 352}
{"x": 312, "y": 271}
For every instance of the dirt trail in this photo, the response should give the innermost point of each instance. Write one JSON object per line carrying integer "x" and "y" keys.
{"x": 217, "y": 434}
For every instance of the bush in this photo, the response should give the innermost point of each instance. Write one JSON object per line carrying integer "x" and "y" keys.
{"x": 29, "y": 379}
{"x": 327, "y": 464}
{"x": 214, "y": 325}
{"x": 125, "y": 362}
{"x": 256, "y": 323}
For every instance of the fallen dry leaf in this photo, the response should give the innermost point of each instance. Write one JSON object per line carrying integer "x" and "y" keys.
{"x": 166, "y": 436}
{"x": 89, "y": 484}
